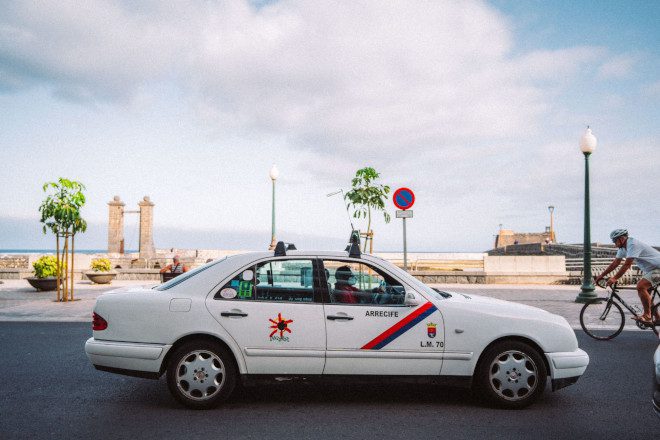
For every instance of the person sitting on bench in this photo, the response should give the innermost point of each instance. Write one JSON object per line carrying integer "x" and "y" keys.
{"x": 175, "y": 268}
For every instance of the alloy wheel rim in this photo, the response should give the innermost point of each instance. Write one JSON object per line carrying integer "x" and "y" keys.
{"x": 200, "y": 375}
{"x": 513, "y": 375}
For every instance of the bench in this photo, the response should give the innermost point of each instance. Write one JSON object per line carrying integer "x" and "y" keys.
{"x": 166, "y": 276}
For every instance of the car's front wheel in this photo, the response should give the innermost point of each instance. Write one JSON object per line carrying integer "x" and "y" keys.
{"x": 511, "y": 374}
{"x": 201, "y": 374}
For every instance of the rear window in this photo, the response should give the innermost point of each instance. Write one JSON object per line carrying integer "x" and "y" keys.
{"x": 186, "y": 276}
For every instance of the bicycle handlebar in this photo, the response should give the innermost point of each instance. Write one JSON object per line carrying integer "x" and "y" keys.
{"x": 602, "y": 284}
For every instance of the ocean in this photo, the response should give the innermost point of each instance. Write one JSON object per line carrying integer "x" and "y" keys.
{"x": 52, "y": 251}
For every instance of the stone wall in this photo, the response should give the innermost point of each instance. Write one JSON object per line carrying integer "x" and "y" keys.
{"x": 495, "y": 269}
{"x": 15, "y": 262}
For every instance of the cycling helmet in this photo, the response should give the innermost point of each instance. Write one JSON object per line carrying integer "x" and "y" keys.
{"x": 618, "y": 233}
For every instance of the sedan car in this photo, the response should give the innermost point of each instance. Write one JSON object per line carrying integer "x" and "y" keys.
{"x": 327, "y": 315}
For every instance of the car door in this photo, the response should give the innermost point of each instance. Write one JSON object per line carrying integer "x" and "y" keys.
{"x": 275, "y": 315}
{"x": 372, "y": 329}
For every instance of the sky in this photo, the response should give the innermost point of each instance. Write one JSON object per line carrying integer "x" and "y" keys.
{"x": 477, "y": 106}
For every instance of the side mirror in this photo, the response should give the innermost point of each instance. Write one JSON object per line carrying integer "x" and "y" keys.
{"x": 411, "y": 300}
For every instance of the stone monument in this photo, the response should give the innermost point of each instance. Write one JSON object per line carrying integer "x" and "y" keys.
{"x": 116, "y": 213}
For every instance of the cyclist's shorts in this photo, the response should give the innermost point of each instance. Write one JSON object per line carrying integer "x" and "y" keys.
{"x": 653, "y": 277}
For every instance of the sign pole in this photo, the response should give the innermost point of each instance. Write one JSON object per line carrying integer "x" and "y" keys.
{"x": 403, "y": 199}
{"x": 405, "y": 247}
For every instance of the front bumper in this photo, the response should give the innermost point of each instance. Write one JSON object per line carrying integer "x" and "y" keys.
{"x": 126, "y": 356}
{"x": 566, "y": 367}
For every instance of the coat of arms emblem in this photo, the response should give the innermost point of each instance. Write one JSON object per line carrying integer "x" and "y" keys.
{"x": 431, "y": 329}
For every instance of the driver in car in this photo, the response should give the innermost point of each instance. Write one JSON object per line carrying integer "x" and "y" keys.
{"x": 345, "y": 290}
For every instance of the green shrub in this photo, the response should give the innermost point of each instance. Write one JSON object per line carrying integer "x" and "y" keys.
{"x": 46, "y": 266}
{"x": 101, "y": 265}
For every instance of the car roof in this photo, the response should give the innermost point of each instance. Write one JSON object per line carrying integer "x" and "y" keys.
{"x": 304, "y": 253}
{"x": 248, "y": 257}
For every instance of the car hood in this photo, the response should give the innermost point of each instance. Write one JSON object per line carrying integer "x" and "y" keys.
{"x": 501, "y": 307}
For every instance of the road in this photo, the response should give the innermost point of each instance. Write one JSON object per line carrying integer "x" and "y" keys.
{"x": 49, "y": 390}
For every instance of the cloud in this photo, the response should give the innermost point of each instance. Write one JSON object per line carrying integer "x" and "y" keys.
{"x": 354, "y": 76}
{"x": 398, "y": 77}
{"x": 435, "y": 95}
{"x": 618, "y": 66}
{"x": 89, "y": 51}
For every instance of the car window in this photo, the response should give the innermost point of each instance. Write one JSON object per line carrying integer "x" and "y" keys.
{"x": 186, "y": 276}
{"x": 274, "y": 280}
{"x": 359, "y": 283}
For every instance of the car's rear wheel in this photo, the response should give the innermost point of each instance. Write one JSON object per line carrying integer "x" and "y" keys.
{"x": 511, "y": 374}
{"x": 201, "y": 374}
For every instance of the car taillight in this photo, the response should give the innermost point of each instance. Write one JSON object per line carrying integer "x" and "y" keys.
{"x": 98, "y": 323}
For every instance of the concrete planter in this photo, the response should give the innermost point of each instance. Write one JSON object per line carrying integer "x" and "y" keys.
{"x": 101, "y": 277}
{"x": 43, "y": 284}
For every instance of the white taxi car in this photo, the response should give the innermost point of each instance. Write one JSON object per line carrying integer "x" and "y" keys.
{"x": 346, "y": 315}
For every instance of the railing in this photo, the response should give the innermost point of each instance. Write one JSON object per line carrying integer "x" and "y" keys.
{"x": 575, "y": 269}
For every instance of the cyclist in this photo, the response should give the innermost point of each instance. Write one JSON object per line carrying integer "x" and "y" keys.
{"x": 647, "y": 259}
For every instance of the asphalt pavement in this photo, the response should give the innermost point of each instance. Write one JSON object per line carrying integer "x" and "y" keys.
{"x": 49, "y": 390}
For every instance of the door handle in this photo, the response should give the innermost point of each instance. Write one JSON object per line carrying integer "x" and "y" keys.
{"x": 226, "y": 314}
{"x": 336, "y": 317}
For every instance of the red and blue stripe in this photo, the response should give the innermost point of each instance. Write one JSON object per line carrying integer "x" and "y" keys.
{"x": 400, "y": 327}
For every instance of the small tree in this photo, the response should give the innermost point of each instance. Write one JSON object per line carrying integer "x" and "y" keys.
{"x": 60, "y": 213}
{"x": 366, "y": 195}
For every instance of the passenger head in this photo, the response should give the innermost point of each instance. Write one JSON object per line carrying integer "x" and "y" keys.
{"x": 345, "y": 274}
{"x": 175, "y": 259}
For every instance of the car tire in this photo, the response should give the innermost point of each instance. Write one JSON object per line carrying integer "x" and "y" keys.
{"x": 510, "y": 374}
{"x": 201, "y": 374}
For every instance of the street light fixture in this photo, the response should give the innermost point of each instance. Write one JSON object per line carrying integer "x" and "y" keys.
{"x": 552, "y": 229}
{"x": 588, "y": 144}
{"x": 274, "y": 174}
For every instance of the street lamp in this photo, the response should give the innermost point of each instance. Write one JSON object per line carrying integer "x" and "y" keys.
{"x": 274, "y": 174}
{"x": 587, "y": 145}
{"x": 552, "y": 229}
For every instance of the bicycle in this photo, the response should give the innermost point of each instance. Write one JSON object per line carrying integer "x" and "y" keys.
{"x": 603, "y": 318}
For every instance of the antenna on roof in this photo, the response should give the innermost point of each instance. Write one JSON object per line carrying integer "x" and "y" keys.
{"x": 353, "y": 247}
{"x": 282, "y": 247}
{"x": 343, "y": 196}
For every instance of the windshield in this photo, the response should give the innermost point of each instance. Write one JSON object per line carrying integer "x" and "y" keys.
{"x": 435, "y": 293}
{"x": 187, "y": 275}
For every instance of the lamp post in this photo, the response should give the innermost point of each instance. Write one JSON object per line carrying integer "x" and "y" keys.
{"x": 587, "y": 145}
{"x": 274, "y": 174}
{"x": 552, "y": 229}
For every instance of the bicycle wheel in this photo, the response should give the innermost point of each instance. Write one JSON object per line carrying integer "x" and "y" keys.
{"x": 602, "y": 319}
{"x": 656, "y": 325}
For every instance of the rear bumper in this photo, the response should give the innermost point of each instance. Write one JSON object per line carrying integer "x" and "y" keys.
{"x": 567, "y": 367}
{"x": 126, "y": 356}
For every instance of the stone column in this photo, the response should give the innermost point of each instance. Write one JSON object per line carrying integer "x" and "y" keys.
{"x": 115, "y": 226}
{"x": 147, "y": 249}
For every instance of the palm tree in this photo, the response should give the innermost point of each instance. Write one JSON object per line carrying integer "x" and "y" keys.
{"x": 366, "y": 195}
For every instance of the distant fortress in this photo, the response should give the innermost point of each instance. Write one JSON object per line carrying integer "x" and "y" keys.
{"x": 507, "y": 237}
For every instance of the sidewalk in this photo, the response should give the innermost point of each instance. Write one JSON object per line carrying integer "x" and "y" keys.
{"x": 20, "y": 302}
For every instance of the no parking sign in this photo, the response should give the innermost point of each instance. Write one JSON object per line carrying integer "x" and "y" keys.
{"x": 403, "y": 199}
